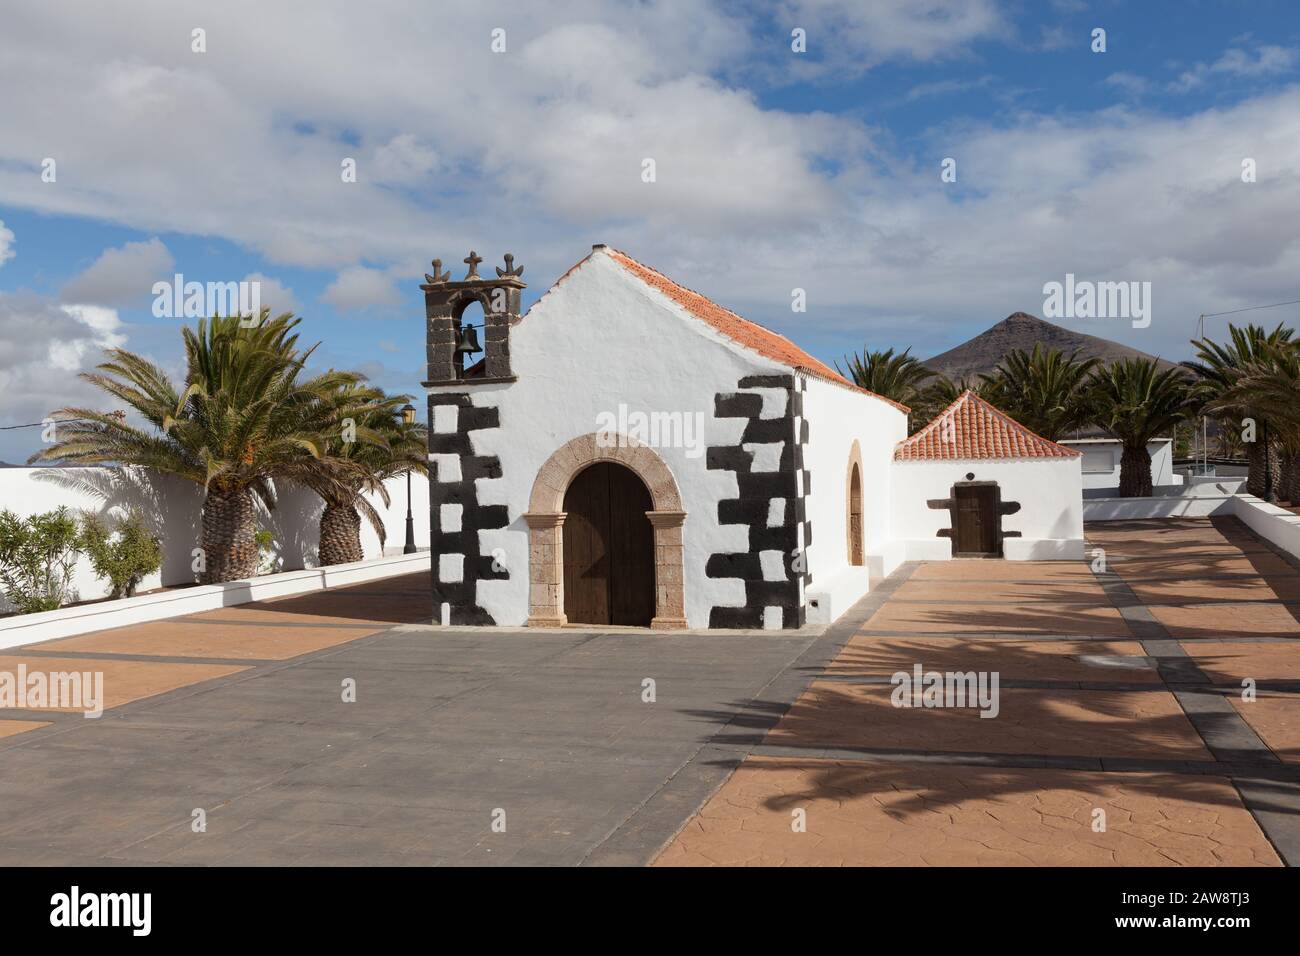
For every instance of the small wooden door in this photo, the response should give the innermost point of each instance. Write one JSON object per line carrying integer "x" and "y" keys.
{"x": 977, "y": 520}
{"x": 608, "y": 548}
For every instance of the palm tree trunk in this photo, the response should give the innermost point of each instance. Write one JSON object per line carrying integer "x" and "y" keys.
{"x": 1256, "y": 458}
{"x": 229, "y": 549}
{"x": 1289, "y": 482}
{"x": 1135, "y": 472}
{"x": 340, "y": 535}
{"x": 1265, "y": 479}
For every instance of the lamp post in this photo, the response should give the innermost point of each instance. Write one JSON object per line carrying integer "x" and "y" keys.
{"x": 408, "y": 418}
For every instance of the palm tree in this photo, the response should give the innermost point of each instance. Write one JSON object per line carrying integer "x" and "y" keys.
{"x": 245, "y": 417}
{"x": 1043, "y": 390}
{"x": 1135, "y": 401}
{"x": 379, "y": 445}
{"x": 1270, "y": 383}
{"x": 1218, "y": 367}
{"x": 896, "y": 377}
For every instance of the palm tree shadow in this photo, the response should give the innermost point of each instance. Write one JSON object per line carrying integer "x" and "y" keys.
{"x": 845, "y": 715}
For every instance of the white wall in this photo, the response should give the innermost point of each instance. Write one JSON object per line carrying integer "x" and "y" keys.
{"x": 1276, "y": 524}
{"x": 1160, "y": 450}
{"x": 837, "y": 417}
{"x": 172, "y": 508}
{"x": 598, "y": 339}
{"x": 1160, "y": 506}
{"x": 1049, "y": 490}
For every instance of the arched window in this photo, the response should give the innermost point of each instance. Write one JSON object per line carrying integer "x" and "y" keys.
{"x": 855, "y": 515}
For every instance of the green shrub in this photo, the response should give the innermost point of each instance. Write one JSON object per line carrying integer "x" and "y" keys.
{"x": 37, "y": 556}
{"x": 123, "y": 558}
{"x": 266, "y": 560}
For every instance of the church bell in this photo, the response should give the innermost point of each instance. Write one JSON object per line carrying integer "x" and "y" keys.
{"x": 467, "y": 341}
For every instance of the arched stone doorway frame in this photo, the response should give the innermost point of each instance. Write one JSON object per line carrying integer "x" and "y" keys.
{"x": 545, "y": 519}
{"x": 855, "y": 461}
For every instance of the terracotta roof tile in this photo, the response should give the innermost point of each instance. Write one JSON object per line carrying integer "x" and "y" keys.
{"x": 749, "y": 334}
{"x": 970, "y": 428}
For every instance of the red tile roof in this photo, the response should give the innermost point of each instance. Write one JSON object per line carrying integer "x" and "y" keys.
{"x": 971, "y": 428}
{"x": 749, "y": 334}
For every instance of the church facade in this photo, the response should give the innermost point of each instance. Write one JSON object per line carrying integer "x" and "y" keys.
{"x": 631, "y": 453}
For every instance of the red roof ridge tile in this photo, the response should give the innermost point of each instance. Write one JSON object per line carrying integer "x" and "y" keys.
{"x": 980, "y": 430}
{"x": 737, "y": 328}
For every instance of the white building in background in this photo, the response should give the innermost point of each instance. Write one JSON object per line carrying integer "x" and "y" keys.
{"x": 1101, "y": 459}
{"x": 975, "y": 483}
{"x": 631, "y": 453}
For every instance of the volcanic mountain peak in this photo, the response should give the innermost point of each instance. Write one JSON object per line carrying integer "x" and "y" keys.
{"x": 1020, "y": 330}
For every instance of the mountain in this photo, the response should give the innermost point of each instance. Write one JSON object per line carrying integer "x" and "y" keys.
{"x": 1020, "y": 330}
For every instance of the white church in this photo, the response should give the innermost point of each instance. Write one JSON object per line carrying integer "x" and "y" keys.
{"x": 630, "y": 453}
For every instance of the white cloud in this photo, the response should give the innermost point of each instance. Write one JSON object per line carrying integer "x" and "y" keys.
{"x": 404, "y": 159}
{"x": 538, "y": 151}
{"x": 42, "y": 348}
{"x": 358, "y": 288}
{"x": 6, "y": 243}
{"x": 1268, "y": 60}
{"x": 122, "y": 276}
{"x": 945, "y": 87}
{"x": 1129, "y": 83}
{"x": 870, "y": 33}
{"x": 275, "y": 295}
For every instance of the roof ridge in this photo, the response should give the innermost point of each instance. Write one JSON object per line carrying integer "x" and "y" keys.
{"x": 798, "y": 359}
{"x": 980, "y": 443}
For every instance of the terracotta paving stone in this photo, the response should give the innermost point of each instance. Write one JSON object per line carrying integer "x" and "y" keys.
{"x": 265, "y": 613}
{"x": 190, "y": 637}
{"x": 1276, "y": 718}
{"x": 979, "y": 570}
{"x": 958, "y": 618}
{"x": 1030, "y": 721}
{"x": 342, "y": 605}
{"x": 1190, "y": 555}
{"x": 10, "y": 727}
{"x": 877, "y": 814}
{"x": 1229, "y": 620}
{"x": 1141, "y": 568}
{"x": 1228, "y": 662}
{"x": 1111, "y": 661}
{"x": 1066, "y": 590}
{"x": 1183, "y": 531}
{"x": 124, "y": 681}
{"x": 1191, "y": 591}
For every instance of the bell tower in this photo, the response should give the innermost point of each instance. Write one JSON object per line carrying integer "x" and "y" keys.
{"x": 453, "y": 347}
{"x": 464, "y": 432}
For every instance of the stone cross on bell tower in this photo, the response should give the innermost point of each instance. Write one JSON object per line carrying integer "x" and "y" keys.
{"x": 445, "y": 302}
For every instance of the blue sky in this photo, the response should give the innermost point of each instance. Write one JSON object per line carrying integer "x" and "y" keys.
{"x": 776, "y": 170}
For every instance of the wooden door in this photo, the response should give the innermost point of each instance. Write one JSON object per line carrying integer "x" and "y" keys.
{"x": 608, "y": 548}
{"x": 977, "y": 520}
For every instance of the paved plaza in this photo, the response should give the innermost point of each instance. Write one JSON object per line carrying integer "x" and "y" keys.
{"x": 1121, "y": 734}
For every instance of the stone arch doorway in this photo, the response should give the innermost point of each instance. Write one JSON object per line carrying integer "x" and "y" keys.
{"x": 546, "y": 518}
{"x": 609, "y": 572}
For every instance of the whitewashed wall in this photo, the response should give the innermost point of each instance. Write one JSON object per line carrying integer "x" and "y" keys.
{"x": 1049, "y": 490}
{"x": 837, "y": 417}
{"x": 598, "y": 339}
{"x": 172, "y": 508}
{"x": 1096, "y": 449}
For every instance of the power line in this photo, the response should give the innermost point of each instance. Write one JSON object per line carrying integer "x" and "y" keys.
{"x": 1253, "y": 308}
{"x": 52, "y": 421}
